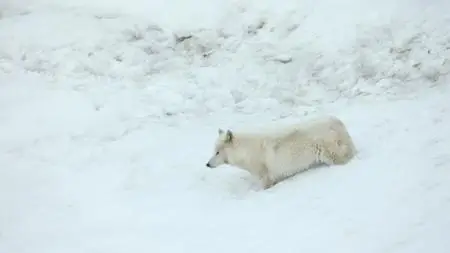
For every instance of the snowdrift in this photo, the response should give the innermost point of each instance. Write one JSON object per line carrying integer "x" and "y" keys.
{"x": 199, "y": 57}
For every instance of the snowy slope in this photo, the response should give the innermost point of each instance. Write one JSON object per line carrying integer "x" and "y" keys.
{"x": 107, "y": 122}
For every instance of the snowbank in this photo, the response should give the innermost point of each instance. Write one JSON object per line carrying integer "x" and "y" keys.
{"x": 199, "y": 57}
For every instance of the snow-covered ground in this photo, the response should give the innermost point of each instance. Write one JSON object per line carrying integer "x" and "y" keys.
{"x": 109, "y": 110}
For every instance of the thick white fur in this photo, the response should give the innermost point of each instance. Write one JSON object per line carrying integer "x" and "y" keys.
{"x": 273, "y": 157}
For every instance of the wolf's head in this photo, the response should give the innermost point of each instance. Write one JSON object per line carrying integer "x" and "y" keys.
{"x": 223, "y": 142}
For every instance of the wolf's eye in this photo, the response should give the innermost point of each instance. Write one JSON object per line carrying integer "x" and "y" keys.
{"x": 217, "y": 153}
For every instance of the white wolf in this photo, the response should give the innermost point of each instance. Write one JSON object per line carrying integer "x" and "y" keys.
{"x": 273, "y": 157}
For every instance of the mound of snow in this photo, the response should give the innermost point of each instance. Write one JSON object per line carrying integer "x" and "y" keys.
{"x": 243, "y": 56}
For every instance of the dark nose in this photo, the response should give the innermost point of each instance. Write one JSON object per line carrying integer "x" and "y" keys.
{"x": 207, "y": 165}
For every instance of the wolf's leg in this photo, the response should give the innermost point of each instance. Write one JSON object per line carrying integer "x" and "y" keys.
{"x": 331, "y": 158}
{"x": 265, "y": 179}
{"x": 267, "y": 182}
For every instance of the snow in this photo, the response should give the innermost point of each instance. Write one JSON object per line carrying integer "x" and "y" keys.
{"x": 109, "y": 110}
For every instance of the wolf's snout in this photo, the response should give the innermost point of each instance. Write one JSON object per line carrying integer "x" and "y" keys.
{"x": 208, "y": 165}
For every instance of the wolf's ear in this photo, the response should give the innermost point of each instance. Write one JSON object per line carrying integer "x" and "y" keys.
{"x": 229, "y": 136}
